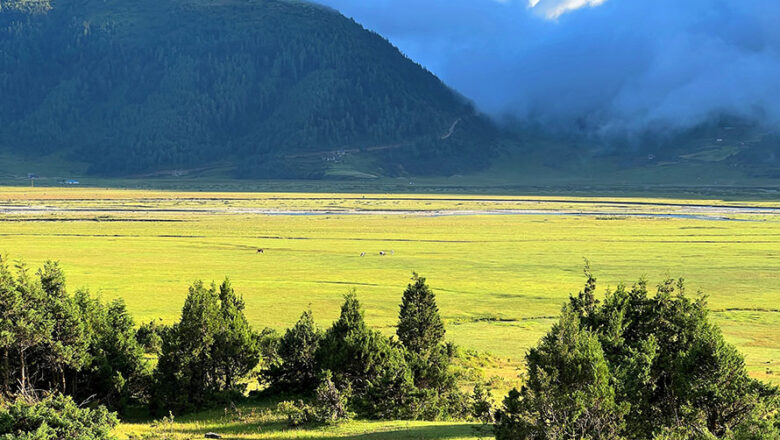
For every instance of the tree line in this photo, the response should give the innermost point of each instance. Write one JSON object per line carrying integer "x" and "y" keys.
{"x": 635, "y": 365}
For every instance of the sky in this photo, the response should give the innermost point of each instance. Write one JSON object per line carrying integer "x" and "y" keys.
{"x": 609, "y": 65}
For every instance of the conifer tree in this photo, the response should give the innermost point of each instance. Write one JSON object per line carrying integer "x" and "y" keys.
{"x": 420, "y": 328}
{"x": 297, "y": 369}
{"x": 68, "y": 344}
{"x": 421, "y": 331}
{"x": 365, "y": 360}
{"x": 236, "y": 349}
{"x": 658, "y": 355}
{"x": 207, "y": 351}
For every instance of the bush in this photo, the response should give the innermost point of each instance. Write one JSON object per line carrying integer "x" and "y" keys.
{"x": 331, "y": 403}
{"x": 54, "y": 418}
{"x": 297, "y": 413}
{"x": 296, "y": 368}
{"x": 669, "y": 368}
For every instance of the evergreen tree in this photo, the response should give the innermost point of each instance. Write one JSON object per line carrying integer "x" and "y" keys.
{"x": 297, "y": 368}
{"x": 206, "y": 352}
{"x": 183, "y": 379}
{"x": 658, "y": 355}
{"x": 119, "y": 371}
{"x": 9, "y": 307}
{"x": 368, "y": 362}
{"x": 236, "y": 347}
{"x": 67, "y": 348}
{"x": 421, "y": 331}
{"x": 419, "y": 325}
{"x": 31, "y": 325}
{"x": 568, "y": 394}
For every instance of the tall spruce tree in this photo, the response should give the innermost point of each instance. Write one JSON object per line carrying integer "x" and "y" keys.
{"x": 419, "y": 325}
{"x": 236, "y": 349}
{"x": 421, "y": 331}
{"x": 67, "y": 348}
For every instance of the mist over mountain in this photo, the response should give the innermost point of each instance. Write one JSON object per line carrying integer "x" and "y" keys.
{"x": 266, "y": 88}
{"x": 291, "y": 89}
{"x": 607, "y": 68}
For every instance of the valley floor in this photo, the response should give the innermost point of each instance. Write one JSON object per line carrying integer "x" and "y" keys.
{"x": 500, "y": 279}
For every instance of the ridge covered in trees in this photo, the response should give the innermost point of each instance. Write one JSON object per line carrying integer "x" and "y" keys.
{"x": 144, "y": 85}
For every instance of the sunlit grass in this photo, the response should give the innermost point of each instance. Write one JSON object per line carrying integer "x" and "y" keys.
{"x": 499, "y": 278}
{"x": 260, "y": 422}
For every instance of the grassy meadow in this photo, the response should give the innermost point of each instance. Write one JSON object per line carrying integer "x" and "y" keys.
{"x": 259, "y": 423}
{"x": 501, "y": 266}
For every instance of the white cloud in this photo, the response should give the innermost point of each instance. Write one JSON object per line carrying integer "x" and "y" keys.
{"x": 553, "y": 9}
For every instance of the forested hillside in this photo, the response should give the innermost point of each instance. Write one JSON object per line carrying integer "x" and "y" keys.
{"x": 264, "y": 85}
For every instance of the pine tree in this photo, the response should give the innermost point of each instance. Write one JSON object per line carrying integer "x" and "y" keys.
{"x": 365, "y": 360}
{"x": 420, "y": 328}
{"x": 207, "y": 351}
{"x": 297, "y": 369}
{"x": 236, "y": 350}
{"x": 67, "y": 347}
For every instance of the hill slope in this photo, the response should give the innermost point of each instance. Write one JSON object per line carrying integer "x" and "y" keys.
{"x": 274, "y": 88}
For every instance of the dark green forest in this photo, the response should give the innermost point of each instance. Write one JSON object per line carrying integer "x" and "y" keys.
{"x": 134, "y": 87}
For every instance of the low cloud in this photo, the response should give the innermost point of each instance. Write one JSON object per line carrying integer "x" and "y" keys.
{"x": 611, "y": 66}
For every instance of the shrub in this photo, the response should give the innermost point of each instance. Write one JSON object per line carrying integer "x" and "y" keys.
{"x": 297, "y": 413}
{"x": 296, "y": 368}
{"x": 658, "y": 355}
{"x": 331, "y": 404}
{"x": 55, "y": 417}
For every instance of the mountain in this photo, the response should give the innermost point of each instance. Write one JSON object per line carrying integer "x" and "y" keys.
{"x": 267, "y": 88}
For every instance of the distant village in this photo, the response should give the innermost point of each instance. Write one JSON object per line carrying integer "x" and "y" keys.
{"x": 33, "y": 177}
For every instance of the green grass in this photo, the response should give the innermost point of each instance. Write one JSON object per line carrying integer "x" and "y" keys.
{"x": 260, "y": 422}
{"x": 499, "y": 279}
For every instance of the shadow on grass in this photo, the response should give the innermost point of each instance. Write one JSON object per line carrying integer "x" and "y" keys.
{"x": 281, "y": 432}
{"x": 258, "y": 420}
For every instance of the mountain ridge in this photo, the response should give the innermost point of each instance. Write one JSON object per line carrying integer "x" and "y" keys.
{"x": 137, "y": 87}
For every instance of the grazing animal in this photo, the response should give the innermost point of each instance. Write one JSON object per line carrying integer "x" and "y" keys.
{"x": 381, "y": 252}
{"x": 260, "y": 251}
{"x": 362, "y": 254}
